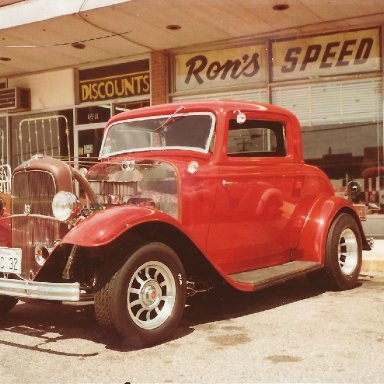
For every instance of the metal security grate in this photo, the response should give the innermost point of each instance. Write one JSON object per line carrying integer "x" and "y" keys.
{"x": 5, "y": 178}
{"x": 47, "y": 135}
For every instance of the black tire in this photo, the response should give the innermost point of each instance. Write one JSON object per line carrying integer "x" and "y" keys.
{"x": 343, "y": 255}
{"x": 6, "y": 304}
{"x": 144, "y": 300}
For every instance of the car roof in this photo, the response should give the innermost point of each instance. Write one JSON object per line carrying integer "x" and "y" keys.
{"x": 214, "y": 106}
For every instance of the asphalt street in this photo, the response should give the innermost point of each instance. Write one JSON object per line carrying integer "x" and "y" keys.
{"x": 288, "y": 333}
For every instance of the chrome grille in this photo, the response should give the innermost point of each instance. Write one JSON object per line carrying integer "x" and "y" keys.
{"x": 33, "y": 188}
{"x": 32, "y": 194}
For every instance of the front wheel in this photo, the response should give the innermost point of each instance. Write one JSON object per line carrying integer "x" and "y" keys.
{"x": 144, "y": 300}
{"x": 343, "y": 255}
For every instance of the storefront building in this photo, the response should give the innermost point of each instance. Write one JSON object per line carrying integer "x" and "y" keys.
{"x": 69, "y": 109}
{"x": 333, "y": 82}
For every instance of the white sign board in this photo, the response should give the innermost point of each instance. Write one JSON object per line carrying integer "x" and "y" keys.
{"x": 326, "y": 55}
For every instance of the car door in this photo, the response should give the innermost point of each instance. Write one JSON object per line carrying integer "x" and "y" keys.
{"x": 255, "y": 198}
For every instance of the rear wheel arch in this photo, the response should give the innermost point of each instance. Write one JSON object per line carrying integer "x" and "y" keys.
{"x": 342, "y": 253}
{"x": 313, "y": 237}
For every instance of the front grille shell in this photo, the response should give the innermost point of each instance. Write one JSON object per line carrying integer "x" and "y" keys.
{"x": 33, "y": 187}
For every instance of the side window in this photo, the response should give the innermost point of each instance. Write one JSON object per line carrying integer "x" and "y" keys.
{"x": 256, "y": 138}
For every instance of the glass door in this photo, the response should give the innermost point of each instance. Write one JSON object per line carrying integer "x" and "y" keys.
{"x": 87, "y": 142}
{"x": 88, "y": 133}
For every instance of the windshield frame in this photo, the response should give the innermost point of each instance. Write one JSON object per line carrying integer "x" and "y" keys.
{"x": 169, "y": 116}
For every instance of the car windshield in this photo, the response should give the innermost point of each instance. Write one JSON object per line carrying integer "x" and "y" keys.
{"x": 192, "y": 131}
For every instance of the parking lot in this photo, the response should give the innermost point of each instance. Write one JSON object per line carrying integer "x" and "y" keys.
{"x": 287, "y": 333}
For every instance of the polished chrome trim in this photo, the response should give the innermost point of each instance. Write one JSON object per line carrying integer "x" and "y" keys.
{"x": 40, "y": 290}
{"x": 32, "y": 215}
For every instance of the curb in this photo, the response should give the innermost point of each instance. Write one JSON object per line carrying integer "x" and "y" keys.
{"x": 371, "y": 265}
{"x": 373, "y": 261}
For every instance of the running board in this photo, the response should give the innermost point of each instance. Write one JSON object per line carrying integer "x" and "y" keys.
{"x": 263, "y": 277}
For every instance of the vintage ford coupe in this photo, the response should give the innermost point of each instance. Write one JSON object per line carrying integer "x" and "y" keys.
{"x": 183, "y": 197}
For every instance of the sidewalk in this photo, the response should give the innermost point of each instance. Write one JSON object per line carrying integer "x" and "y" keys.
{"x": 373, "y": 261}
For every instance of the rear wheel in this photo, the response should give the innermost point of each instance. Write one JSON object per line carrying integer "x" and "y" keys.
{"x": 6, "y": 304}
{"x": 343, "y": 256}
{"x": 144, "y": 300}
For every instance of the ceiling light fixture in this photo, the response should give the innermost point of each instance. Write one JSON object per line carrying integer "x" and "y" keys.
{"x": 173, "y": 27}
{"x": 280, "y": 7}
{"x": 78, "y": 45}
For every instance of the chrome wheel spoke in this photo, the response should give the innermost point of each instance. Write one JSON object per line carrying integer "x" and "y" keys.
{"x": 135, "y": 291}
{"x": 134, "y": 303}
{"x": 139, "y": 312}
{"x": 147, "y": 275}
{"x": 138, "y": 279}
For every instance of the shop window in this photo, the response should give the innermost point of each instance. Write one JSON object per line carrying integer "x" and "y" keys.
{"x": 342, "y": 129}
{"x": 352, "y": 156}
{"x": 93, "y": 114}
{"x": 126, "y": 106}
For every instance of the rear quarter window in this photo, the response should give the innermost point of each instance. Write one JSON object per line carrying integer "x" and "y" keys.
{"x": 256, "y": 138}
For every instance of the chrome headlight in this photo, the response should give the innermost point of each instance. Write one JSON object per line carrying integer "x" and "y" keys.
{"x": 65, "y": 206}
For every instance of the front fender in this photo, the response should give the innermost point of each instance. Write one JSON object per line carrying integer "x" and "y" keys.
{"x": 5, "y": 230}
{"x": 103, "y": 227}
{"x": 312, "y": 243}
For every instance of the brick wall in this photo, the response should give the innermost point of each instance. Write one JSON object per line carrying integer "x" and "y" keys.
{"x": 158, "y": 78}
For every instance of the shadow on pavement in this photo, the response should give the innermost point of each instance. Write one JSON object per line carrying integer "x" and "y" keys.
{"x": 46, "y": 325}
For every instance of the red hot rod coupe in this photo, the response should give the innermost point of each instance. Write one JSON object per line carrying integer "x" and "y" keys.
{"x": 183, "y": 197}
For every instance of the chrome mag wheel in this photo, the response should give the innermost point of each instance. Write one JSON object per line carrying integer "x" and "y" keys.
{"x": 151, "y": 295}
{"x": 348, "y": 252}
{"x": 144, "y": 299}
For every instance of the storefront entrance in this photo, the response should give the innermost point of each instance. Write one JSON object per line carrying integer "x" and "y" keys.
{"x": 87, "y": 143}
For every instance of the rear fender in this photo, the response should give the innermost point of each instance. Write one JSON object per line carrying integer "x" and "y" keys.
{"x": 312, "y": 243}
{"x": 103, "y": 227}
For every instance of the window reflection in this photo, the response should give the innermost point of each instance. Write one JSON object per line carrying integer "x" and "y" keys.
{"x": 352, "y": 157}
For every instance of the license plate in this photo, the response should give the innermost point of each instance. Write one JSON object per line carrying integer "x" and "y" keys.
{"x": 10, "y": 260}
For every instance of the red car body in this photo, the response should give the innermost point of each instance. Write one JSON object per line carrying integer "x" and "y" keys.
{"x": 242, "y": 213}
{"x": 219, "y": 188}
